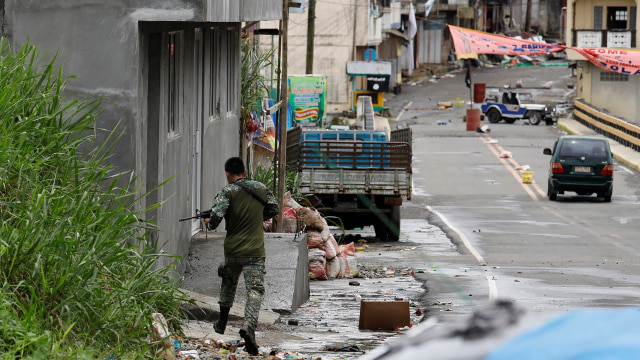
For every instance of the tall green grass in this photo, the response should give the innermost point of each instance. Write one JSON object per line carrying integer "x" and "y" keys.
{"x": 77, "y": 274}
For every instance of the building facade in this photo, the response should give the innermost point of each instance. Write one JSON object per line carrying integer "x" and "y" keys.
{"x": 607, "y": 24}
{"x": 169, "y": 74}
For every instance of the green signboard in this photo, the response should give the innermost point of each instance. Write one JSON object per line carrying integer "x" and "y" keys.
{"x": 308, "y": 99}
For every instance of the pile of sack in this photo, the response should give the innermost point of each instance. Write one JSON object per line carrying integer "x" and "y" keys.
{"x": 327, "y": 259}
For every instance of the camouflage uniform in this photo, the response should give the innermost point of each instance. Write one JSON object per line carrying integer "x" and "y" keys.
{"x": 253, "y": 269}
{"x": 244, "y": 242}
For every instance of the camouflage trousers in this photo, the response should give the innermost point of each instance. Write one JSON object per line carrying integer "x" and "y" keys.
{"x": 254, "y": 270}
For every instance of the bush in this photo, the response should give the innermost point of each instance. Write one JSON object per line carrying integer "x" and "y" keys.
{"x": 77, "y": 274}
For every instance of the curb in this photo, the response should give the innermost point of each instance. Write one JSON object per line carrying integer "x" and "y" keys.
{"x": 621, "y": 153}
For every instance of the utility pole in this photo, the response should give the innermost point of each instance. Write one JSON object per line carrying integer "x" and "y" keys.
{"x": 311, "y": 29}
{"x": 527, "y": 24}
{"x": 284, "y": 91}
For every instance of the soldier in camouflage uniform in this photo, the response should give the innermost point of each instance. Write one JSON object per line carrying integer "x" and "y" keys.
{"x": 244, "y": 204}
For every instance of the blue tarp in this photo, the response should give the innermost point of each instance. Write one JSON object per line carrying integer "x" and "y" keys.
{"x": 612, "y": 334}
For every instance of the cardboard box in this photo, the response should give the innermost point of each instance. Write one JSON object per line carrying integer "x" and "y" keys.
{"x": 384, "y": 315}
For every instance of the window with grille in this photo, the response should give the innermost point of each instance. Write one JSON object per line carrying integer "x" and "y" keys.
{"x": 214, "y": 72}
{"x": 613, "y": 76}
{"x": 173, "y": 81}
{"x": 233, "y": 63}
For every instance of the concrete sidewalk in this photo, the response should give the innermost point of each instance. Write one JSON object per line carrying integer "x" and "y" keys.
{"x": 623, "y": 154}
{"x": 286, "y": 283}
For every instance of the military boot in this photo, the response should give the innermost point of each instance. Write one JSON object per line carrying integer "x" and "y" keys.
{"x": 221, "y": 324}
{"x": 249, "y": 337}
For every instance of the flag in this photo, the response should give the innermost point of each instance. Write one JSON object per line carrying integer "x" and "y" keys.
{"x": 467, "y": 78}
{"x": 427, "y": 7}
{"x": 412, "y": 29}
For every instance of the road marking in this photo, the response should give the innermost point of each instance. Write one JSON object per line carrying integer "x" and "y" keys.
{"x": 512, "y": 170}
{"x": 493, "y": 287}
{"x": 402, "y": 112}
{"x": 625, "y": 169}
{"x": 464, "y": 239}
{"x": 515, "y": 174}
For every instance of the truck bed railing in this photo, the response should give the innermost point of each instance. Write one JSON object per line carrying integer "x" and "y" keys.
{"x": 350, "y": 154}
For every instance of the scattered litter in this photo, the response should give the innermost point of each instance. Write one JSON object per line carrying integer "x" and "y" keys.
{"x": 442, "y": 122}
{"x": 447, "y": 309}
{"x": 524, "y": 168}
{"x": 343, "y": 348}
{"x": 506, "y": 154}
{"x": 443, "y": 303}
{"x": 465, "y": 269}
{"x": 354, "y": 283}
{"x": 193, "y": 354}
{"x": 418, "y": 312}
{"x": 483, "y": 129}
{"x": 293, "y": 322}
{"x": 492, "y": 141}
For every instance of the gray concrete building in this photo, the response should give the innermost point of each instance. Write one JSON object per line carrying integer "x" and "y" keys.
{"x": 169, "y": 73}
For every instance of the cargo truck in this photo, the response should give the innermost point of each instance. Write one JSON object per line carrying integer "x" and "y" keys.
{"x": 359, "y": 176}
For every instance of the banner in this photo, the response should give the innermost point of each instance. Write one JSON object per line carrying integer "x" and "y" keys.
{"x": 308, "y": 99}
{"x": 265, "y": 136}
{"x": 616, "y": 60}
{"x": 467, "y": 41}
{"x": 472, "y": 41}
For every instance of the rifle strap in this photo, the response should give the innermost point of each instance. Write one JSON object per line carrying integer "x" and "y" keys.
{"x": 251, "y": 192}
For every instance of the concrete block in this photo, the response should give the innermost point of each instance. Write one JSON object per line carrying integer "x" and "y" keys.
{"x": 286, "y": 279}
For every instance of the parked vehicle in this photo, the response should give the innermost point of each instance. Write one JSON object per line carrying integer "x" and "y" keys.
{"x": 582, "y": 164}
{"x": 357, "y": 175}
{"x": 511, "y": 105}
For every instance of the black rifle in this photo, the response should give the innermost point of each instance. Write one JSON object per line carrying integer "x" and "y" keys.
{"x": 199, "y": 215}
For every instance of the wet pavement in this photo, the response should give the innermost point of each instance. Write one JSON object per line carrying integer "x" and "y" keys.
{"x": 329, "y": 320}
{"x": 328, "y": 324}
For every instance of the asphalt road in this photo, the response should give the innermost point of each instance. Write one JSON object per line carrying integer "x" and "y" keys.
{"x": 513, "y": 242}
{"x": 478, "y": 232}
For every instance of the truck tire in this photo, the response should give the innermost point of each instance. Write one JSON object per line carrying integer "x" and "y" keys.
{"x": 389, "y": 231}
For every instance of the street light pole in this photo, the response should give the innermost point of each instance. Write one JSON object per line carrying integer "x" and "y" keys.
{"x": 311, "y": 29}
{"x": 282, "y": 133}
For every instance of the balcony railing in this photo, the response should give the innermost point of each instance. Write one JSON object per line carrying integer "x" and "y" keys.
{"x": 625, "y": 39}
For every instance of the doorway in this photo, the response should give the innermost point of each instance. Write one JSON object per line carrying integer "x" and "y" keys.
{"x": 197, "y": 116}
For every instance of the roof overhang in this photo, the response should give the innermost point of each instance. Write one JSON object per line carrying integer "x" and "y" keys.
{"x": 398, "y": 34}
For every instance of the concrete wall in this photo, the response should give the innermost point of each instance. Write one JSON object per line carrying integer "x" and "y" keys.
{"x": 118, "y": 51}
{"x": 287, "y": 265}
{"x": 609, "y": 94}
{"x": 602, "y": 94}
